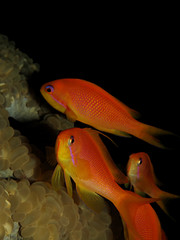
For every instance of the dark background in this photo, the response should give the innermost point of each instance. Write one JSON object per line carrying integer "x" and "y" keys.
{"x": 135, "y": 57}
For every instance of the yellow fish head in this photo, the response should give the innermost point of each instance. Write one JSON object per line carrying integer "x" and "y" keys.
{"x": 67, "y": 147}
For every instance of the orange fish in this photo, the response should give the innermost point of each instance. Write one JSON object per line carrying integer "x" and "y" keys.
{"x": 88, "y": 103}
{"x": 141, "y": 174}
{"x": 82, "y": 156}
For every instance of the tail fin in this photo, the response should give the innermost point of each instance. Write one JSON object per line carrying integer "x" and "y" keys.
{"x": 165, "y": 197}
{"x": 163, "y": 235}
{"x": 128, "y": 206}
{"x": 152, "y": 134}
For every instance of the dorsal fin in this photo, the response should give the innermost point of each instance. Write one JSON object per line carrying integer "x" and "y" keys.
{"x": 119, "y": 176}
{"x": 98, "y": 132}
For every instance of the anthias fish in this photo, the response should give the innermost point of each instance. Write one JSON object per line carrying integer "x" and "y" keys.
{"x": 82, "y": 156}
{"x": 141, "y": 174}
{"x": 88, "y": 103}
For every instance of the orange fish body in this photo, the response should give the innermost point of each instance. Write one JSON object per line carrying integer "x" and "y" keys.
{"x": 141, "y": 174}
{"x": 88, "y": 103}
{"x": 145, "y": 228}
{"x": 80, "y": 154}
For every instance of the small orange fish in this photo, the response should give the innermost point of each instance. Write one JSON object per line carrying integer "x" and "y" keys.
{"x": 83, "y": 157}
{"x": 88, "y": 103}
{"x": 141, "y": 174}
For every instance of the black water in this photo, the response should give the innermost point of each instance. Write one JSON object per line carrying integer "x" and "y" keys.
{"x": 138, "y": 67}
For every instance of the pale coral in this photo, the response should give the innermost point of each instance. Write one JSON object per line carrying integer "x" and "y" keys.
{"x": 15, "y": 67}
{"x": 43, "y": 213}
{"x": 29, "y": 208}
{"x": 15, "y": 152}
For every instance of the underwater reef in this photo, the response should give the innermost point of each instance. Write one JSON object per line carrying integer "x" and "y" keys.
{"x": 29, "y": 207}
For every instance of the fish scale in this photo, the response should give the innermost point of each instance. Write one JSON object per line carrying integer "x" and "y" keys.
{"x": 88, "y": 103}
{"x": 95, "y": 106}
{"x": 141, "y": 175}
{"x": 86, "y": 161}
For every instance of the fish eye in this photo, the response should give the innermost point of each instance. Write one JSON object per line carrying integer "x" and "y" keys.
{"x": 49, "y": 89}
{"x": 71, "y": 140}
{"x": 139, "y": 162}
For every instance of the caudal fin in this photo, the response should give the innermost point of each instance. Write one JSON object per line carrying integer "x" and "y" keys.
{"x": 128, "y": 207}
{"x": 153, "y": 135}
{"x": 165, "y": 198}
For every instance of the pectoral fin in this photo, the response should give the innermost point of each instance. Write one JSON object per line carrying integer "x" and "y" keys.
{"x": 57, "y": 178}
{"x": 50, "y": 156}
{"x": 68, "y": 183}
{"x": 136, "y": 190}
{"x": 91, "y": 199}
{"x": 71, "y": 116}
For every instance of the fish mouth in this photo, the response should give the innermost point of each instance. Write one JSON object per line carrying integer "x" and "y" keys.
{"x": 42, "y": 90}
{"x": 132, "y": 175}
{"x": 130, "y": 171}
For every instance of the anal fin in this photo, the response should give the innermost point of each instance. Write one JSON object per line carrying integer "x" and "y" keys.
{"x": 71, "y": 116}
{"x": 136, "y": 190}
{"x": 120, "y": 133}
{"x": 91, "y": 199}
